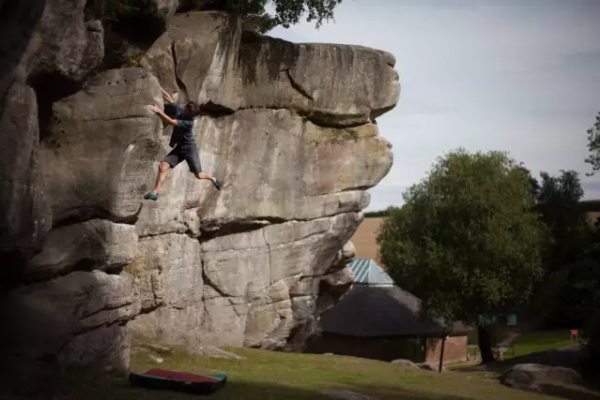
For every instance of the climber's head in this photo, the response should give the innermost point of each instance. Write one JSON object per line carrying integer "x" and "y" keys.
{"x": 191, "y": 109}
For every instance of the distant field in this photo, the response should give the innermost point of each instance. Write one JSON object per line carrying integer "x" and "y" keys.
{"x": 365, "y": 239}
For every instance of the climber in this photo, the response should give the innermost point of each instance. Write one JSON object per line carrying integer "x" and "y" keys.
{"x": 182, "y": 141}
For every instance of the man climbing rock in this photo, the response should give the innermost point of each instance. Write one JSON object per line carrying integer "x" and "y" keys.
{"x": 182, "y": 141}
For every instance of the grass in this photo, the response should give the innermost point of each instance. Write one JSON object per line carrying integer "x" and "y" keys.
{"x": 527, "y": 343}
{"x": 274, "y": 375}
{"x": 530, "y": 342}
{"x": 534, "y": 342}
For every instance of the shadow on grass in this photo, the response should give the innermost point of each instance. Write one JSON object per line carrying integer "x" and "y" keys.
{"x": 120, "y": 389}
{"x": 395, "y": 393}
{"x": 568, "y": 393}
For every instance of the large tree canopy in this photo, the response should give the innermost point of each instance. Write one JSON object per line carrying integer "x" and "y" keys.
{"x": 467, "y": 240}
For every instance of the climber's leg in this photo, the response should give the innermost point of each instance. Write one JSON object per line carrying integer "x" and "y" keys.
{"x": 204, "y": 175}
{"x": 193, "y": 160}
{"x": 163, "y": 168}
{"x": 170, "y": 161}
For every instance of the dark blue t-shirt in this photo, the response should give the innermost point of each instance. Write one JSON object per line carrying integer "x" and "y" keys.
{"x": 183, "y": 133}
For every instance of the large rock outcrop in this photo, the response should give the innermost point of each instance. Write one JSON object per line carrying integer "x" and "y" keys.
{"x": 292, "y": 136}
{"x": 47, "y": 48}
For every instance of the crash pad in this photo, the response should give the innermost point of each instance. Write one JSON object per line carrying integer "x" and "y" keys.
{"x": 178, "y": 381}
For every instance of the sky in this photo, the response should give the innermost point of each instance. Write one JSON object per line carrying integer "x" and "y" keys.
{"x": 521, "y": 76}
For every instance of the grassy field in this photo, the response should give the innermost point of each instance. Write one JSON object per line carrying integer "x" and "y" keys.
{"x": 274, "y": 375}
{"x": 534, "y": 342}
{"x": 531, "y": 342}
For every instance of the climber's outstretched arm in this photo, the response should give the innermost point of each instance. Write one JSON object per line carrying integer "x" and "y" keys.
{"x": 164, "y": 116}
{"x": 166, "y": 96}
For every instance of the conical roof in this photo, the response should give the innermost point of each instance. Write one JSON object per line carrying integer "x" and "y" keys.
{"x": 367, "y": 272}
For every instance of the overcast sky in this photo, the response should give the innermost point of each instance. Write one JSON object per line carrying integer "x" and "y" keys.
{"x": 516, "y": 75}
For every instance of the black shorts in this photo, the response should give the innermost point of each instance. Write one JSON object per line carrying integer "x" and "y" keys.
{"x": 187, "y": 153}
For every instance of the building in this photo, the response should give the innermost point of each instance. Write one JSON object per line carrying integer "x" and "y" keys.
{"x": 378, "y": 320}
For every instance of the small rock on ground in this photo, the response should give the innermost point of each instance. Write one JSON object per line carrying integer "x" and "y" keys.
{"x": 345, "y": 394}
{"x": 156, "y": 359}
{"x": 157, "y": 348}
{"x": 212, "y": 351}
{"x": 426, "y": 367}
{"x": 405, "y": 363}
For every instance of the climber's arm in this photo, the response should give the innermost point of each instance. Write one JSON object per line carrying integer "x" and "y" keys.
{"x": 166, "y": 96}
{"x": 164, "y": 116}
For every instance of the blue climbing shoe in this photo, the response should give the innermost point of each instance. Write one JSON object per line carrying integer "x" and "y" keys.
{"x": 217, "y": 184}
{"x": 151, "y": 196}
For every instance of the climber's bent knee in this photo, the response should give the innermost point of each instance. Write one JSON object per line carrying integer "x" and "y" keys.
{"x": 164, "y": 166}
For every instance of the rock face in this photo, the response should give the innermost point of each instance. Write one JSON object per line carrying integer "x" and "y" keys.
{"x": 51, "y": 48}
{"x": 291, "y": 134}
{"x": 207, "y": 57}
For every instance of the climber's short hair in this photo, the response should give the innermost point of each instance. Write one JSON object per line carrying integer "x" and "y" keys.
{"x": 192, "y": 109}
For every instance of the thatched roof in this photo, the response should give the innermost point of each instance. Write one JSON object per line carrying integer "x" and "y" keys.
{"x": 371, "y": 309}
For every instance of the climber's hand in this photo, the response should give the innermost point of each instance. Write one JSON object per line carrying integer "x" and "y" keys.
{"x": 164, "y": 116}
{"x": 155, "y": 108}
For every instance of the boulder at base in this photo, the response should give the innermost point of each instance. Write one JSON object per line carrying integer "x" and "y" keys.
{"x": 530, "y": 377}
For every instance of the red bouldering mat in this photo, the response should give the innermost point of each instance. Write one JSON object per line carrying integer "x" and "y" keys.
{"x": 181, "y": 376}
{"x": 178, "y": 381}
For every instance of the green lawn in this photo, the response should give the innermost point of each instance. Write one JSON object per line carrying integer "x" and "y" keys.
{"x": 530, "y": 342}
{"x": 274, "y": 375}
{"x": 534, "y": 342}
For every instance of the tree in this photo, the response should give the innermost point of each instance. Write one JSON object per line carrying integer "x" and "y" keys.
{"x": 587, "y": 291}
{"x": 558, "y": 204}
{"x": 559, "y": 296}
{"x": 467, "y": 240}
{"x": 592, "y": 314}
{"x": 594, "y": 146}
{"x": 287, "y": 12}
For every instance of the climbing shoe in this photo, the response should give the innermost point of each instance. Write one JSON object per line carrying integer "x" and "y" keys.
{"x": 151, "y": 196}
{"x": 217, "y": 184}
